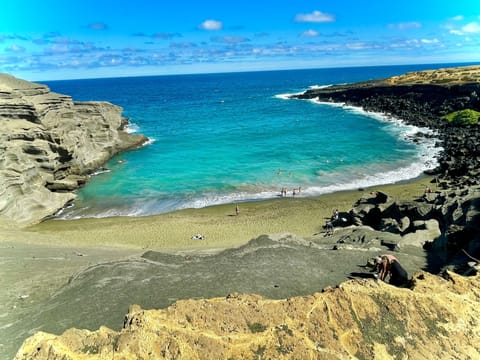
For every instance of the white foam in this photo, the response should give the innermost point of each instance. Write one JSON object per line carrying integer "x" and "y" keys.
{"x": 100, "y": 171}
{"x": 286, "y": 96}
{"x": 132, "y": 128}
{"x": 316, "y": 87}
{"x": 427, "y": 157}
{"x": 150, "y": 141}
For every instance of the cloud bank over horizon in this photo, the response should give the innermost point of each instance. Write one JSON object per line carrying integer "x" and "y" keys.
{"x": 167, "y": 39}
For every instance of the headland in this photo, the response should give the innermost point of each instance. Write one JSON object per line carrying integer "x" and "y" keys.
{"x": 50, "y": 146}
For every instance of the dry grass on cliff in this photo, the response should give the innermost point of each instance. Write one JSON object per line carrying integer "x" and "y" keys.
{"x": 467, "y": 74}
{"x": 361, "y": 319}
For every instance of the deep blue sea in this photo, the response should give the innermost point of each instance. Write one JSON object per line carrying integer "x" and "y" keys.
{"x": 225, "y": 138}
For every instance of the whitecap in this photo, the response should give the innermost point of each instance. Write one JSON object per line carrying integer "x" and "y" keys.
{"x": 149, "y": 141}
{"x": 100, "y": 171}
{"x": 316, "y": 87}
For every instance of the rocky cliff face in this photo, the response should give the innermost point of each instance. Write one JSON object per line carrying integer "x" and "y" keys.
{"x": 49, "y": 145}
{"x": 436, "y": 318}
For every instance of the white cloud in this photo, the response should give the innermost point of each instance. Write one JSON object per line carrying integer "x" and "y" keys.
{"x": 430, "y": 41}
{"x": 471, "y": 28}
{"x": 358, "y": 46}
{"x": 230, "y": 39}
{"x": 310, "y": 33}
{"x": 15, "y": 48}
{"x": 211, "y": 25}
{"x": 405, "y": 26}
{"x": 457, "y": 18}
{"x": 316, "y": 17}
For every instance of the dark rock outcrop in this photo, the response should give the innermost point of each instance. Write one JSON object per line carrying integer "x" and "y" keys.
{"x": 49, "y": 145}
{"x": 446, "y": 220}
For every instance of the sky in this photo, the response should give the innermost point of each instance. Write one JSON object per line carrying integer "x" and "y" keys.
{"x": 71, "y": 39}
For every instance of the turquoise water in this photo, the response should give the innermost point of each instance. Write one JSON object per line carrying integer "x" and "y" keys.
{"x": 222, "y": 138}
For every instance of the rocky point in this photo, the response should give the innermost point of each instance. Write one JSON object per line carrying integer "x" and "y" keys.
{"x": 49, "y": 145}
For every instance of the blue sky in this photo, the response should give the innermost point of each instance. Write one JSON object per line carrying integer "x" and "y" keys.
{"x": 59, "y": 39}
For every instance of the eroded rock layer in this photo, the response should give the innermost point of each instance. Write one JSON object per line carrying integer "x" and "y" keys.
{"x": 49, "y": 145}
{"x": 436, "y": 318}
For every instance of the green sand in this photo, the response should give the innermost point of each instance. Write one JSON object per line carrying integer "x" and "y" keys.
{"x": 39, "y": 261}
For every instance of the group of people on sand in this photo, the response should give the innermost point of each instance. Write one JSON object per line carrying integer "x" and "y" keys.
{"x": 295, "y": 191}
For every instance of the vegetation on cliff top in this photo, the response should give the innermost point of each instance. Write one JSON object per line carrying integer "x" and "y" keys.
{"x": 463, "y": 117}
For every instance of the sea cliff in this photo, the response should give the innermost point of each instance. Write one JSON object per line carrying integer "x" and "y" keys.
{"x": 50, "y": 145}
{"x": 431, "y": 99}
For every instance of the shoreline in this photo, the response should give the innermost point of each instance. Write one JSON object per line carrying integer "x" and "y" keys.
{"x": 221, "y": 228}
{"x": 427, "y": 155}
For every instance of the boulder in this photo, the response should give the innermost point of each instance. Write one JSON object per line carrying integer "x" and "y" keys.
{"x": 426, "y": 231}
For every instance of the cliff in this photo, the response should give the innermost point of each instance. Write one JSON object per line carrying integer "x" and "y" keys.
{"x": 49, "y": 145}
{"x": 436, "y": 318}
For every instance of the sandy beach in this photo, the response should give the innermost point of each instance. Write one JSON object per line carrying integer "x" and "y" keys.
{"x": 219, "y": 225}
{"x": 27, "y": 253}
{"x": 32, "y": 255}
{"x": 38, "y": 261}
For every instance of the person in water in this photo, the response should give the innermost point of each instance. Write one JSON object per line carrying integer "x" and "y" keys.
{"x": 391, "y": 266}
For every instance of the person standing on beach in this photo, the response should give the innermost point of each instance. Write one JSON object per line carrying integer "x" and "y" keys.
{"x": 237, "y": 210}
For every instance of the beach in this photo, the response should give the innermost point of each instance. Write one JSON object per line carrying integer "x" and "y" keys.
{"x": 39, "y": 261}
{"x": 52, "y": 251}
{"x": 219, "y": 225}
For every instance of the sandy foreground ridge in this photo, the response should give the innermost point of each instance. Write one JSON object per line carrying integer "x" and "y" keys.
{"x": 45, "y": 265}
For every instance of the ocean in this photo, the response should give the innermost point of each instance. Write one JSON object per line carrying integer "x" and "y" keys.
{"x": 233, "y": 137}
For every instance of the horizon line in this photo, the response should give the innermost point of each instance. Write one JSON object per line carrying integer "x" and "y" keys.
{"x": 466, "y": 63}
